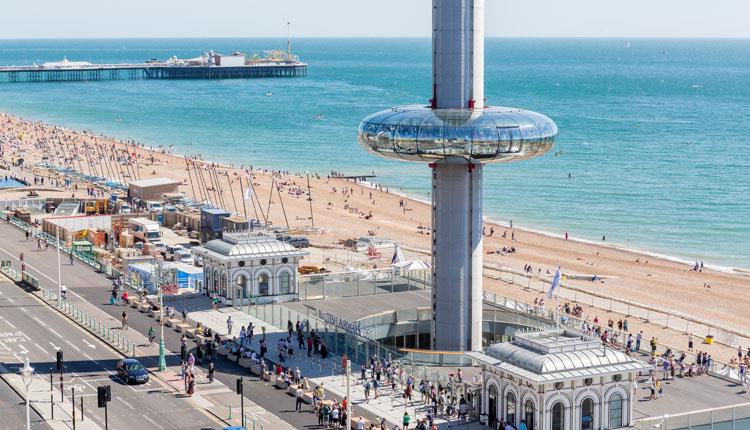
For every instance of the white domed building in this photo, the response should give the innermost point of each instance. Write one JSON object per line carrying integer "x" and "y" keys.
{"x": 250, "y": 267}
{"x": 558, "y": 380}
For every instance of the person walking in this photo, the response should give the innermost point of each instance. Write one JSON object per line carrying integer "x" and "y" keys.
{"x": 124, "y": 320}
{"x": 71, "y": 257}
{"x": 230, "y": 324}
{"x": 406, "y": 420}
{"x": 191, "y": 384}
{"x": 211, "y": 370}
{"x": 151, "y": 335}
{"x": 299, "y": 394}
{"x": 638, "y": 338}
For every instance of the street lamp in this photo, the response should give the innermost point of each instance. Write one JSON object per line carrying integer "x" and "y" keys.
{"x": 27, "y": 372}
{"x": 162, "y": 351}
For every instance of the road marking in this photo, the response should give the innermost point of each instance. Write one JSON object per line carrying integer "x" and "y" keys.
{"x": 71, "y": 344}
{"x": 10, "y": 299}
{"x": 145, "y": 417}
{"x": 39, "y": 321}
{"x": 127, "y": 404}
{"x": 55, "y": 333}
{"x": 40, "y": 347}
{"x": 23, "y": 349}
{"x": 90, "y": 345}
{"x": 57, "y": 348}
{"x": 8, "y": 322}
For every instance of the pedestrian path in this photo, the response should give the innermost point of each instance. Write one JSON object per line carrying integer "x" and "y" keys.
{"x": 389, "y": 405}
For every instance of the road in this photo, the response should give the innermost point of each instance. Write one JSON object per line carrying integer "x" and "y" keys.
{"x": 30, "y": 327}
{"x": 95, "y": 288}
{"x": 13, "y": 411}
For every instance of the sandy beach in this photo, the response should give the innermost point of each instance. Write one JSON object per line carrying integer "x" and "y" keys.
{"x": 345, "y": 209}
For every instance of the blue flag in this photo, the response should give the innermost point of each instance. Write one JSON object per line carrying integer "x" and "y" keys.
{"x": 555, "y": 283}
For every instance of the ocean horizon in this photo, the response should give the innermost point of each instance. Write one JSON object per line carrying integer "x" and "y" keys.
{"x": 651, "y": 131}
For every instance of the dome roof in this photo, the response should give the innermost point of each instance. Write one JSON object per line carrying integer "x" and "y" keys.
{"x": 250, "y": 249}
{"x": 540, "y": 363}
{"x": 493, "y": 134}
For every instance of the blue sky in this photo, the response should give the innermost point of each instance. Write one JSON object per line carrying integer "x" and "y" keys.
{"x": 371, "y": 18}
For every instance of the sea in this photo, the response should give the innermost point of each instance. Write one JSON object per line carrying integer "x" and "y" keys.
{"x": 652, "y": 151}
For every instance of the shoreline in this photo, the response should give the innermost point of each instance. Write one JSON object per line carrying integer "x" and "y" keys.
{"x": 488, "y": 219}
{"x": 630, "y": 274}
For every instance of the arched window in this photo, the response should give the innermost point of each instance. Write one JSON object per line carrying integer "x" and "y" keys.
{"x": 241, "y": 282}
{"x": 510, "y": 408}
{"x": 285, "y": 282}
{"x": 615, "y": 411}
{"x": 587, "y": 414}
{"x": 528, "y": 414}
{"x": 558, "y": 416}
{"x": 263, "y": 284}
{"x": 492, "y": 405}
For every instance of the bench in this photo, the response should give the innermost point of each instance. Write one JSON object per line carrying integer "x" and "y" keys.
{"x": 171, "y": 322}
{"x": 144, "y": 307}
{"x": 180, "y": 327}
{"x": 266, "y": 376}
{"x": 246, "y": 362}
{"x": 232, "y": 357}
{"x": 189, "y": 332}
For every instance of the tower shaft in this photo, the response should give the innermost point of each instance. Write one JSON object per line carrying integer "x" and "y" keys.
{"x": 457, "y": 256}
{"x": 458, "y": 83}
{"x": 458, "y": 54}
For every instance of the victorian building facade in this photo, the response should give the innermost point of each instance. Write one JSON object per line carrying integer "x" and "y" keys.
{"x": 558, "y": 380}
{"x": 250, "y": 267}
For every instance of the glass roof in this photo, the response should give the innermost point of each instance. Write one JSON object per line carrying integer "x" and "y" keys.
{"x": 494, "y": 134}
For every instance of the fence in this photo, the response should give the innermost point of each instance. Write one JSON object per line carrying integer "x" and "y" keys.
{"x": 48, "y": 291}
{"x": 670, "y": 319}
{"x": 361, "y": 283}
{"x": 735, "y": 417}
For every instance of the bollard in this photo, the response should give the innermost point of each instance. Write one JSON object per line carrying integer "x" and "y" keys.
{"x": 230, "y": 412}
{"x": 253, "y": 423}
{"x": 81, "y": 408}
{"x": 51, "y": 406}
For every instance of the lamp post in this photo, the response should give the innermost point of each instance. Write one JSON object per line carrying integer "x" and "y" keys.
{"x": 162, "y": 352}
{"x": 59, "y": 267}
{"x": 27, "y": 372}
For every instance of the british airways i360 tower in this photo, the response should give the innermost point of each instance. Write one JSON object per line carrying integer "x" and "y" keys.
{"x": 457, "y": 133}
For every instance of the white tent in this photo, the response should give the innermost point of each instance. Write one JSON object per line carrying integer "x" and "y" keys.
{"x": 398, "y": 256}
{"x": 406, "y": 266}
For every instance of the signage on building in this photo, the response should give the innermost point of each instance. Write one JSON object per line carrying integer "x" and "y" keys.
{"x": 353, "y": 327}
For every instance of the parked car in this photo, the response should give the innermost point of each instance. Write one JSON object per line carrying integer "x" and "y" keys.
{"x": 299, "y": 242}
{"x": 132, "y": 371}
{"x": 295, "y": 241}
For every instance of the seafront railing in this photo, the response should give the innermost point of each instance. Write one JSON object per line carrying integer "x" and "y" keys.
{"x": 47, "y": 289}
{"x": 725, "y": 417}
{"x": 730, "y": 336}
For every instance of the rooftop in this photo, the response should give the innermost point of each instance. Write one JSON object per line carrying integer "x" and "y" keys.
{"x": 557, "y": 355}
{"x": 247, "y": 244}
{"x": 153, "y": 182}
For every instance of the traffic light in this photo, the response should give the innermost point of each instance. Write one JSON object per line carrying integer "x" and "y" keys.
{"x": 239, "y": 386}
{"x": 103, "y": 395}
{"x": 59, "y": 360}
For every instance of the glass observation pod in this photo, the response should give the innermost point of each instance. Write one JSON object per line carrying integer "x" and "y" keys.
{"x": 491, "y": 135}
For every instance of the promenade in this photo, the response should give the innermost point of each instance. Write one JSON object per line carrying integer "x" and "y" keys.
{"x": 90, "y": 291}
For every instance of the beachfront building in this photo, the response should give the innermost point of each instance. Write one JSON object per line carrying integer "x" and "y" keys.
{"x": 249, "y": 267}
{"x": 457, "y": 133}
{"x": 558, "y": 379}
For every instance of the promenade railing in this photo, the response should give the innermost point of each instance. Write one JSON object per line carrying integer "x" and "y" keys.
{"x": 675, "y": 320}
{"x": 725, "y": 417}
{"x": 47, "y": 289}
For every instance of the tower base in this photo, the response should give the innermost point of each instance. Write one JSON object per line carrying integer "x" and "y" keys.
{"x": 457, "y": 255}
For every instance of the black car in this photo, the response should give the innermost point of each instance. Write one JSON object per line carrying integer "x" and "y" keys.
{"x": 132, "y": 371}
{"x": 299, "y": 242}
